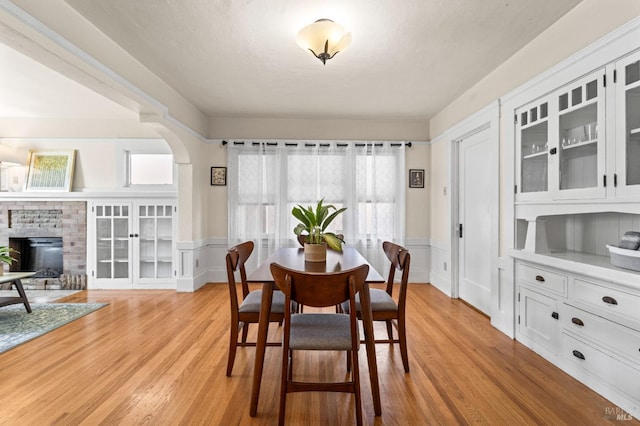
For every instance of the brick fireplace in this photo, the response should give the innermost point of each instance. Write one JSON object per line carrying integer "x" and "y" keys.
{"x": 36, "y": 219}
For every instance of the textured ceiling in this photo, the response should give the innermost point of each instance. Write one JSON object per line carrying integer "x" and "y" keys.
{"x": 238, "y": 58}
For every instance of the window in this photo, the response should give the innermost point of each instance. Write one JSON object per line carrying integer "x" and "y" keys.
{"x": 149, "y": 169}
{"x": 266, "y": 180}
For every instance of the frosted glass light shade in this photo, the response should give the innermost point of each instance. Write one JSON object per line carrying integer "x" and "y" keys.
{"x": 324, "y": 39}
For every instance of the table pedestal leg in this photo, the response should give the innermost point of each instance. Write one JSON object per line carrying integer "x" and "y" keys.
{"x": 263, "y": 328}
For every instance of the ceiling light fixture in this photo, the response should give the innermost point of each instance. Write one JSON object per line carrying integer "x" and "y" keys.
{"x": 324, "y": 38}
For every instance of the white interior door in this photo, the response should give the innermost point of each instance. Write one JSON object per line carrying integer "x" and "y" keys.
{"x": 474, "y": 209}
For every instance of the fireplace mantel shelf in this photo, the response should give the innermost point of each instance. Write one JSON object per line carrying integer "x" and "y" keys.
{"x": 85, "y": 195}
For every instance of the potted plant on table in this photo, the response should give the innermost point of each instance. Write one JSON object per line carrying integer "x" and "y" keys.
{"x": 313, "y": 225}
{"x": 6, "y": 257}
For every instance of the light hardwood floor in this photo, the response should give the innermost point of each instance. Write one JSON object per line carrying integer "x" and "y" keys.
{"x": 159, "y": 358}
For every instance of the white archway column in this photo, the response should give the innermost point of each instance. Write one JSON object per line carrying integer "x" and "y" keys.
{"x": 190, "y": 154}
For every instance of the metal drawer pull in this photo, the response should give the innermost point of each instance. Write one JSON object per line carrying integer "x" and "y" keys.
{"x": 577, "y": 321}
{"x": 540, "y": 278}
{"x": 610, "y": 300}
{"x": 554, "y": 315}
{"x": 578, "y": 354}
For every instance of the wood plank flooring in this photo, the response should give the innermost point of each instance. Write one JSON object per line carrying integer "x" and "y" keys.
{"x": 159, "y": 358}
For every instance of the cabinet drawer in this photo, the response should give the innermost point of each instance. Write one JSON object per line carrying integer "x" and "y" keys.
{"x": 611, "y": 336}
{"x": 591, "y": 361}
{"x": 543, "y": 279}
{"x": 609, "y": 302}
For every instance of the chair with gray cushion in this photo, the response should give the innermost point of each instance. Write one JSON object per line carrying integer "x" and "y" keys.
{"x": 248, "y": 310}
{"x": 383, "y": 305}
{"x": 319, "y": 331}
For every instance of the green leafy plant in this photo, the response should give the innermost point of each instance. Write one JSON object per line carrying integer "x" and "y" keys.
{"x": 6, "y": 255}
{"x": 315, "y": 222}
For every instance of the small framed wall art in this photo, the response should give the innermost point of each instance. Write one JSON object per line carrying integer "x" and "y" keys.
{"x": 219, "y": 176}
{"x": 416, "y": 178}
{"x": 50, "y": 170}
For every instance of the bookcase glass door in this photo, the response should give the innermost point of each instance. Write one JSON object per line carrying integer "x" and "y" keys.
{"x": 113, "y": 241}
{"x": 155, "y": 242}
{"x": 632, "y": 119}
{"x": 534, "y": 148}
{"x": 579, "y": 135}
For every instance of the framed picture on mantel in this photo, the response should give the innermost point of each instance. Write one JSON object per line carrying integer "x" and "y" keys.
{"x": 50, "y": 170}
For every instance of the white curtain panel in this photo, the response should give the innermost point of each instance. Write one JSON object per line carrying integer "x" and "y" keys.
{"x": 268, "y": 179}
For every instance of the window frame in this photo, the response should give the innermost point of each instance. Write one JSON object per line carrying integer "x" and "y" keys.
{"x": 126, "y": 161}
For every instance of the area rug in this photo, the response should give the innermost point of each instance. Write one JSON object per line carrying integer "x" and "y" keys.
{"x": 17, "y": 326}
{"x": 40, "y": 296}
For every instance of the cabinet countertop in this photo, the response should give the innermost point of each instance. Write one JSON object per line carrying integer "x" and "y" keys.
{"x": 590, "y": 265}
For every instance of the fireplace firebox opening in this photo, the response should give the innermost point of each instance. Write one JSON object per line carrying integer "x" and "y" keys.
{"x": 42, "y": 255}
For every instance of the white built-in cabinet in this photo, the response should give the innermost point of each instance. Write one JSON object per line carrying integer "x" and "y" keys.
{"x": 627, "y": 119}
{"x": 577, "y": 190}
{"x": 132, "y": 244}
{"x": 537, "y": 299}
{"x": 564, "y": 147}
{"x": 560, "y": 142}
{"x": 590, "y": 328}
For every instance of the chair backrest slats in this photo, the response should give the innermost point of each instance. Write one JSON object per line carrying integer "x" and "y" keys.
{"x": 236, "y": 258}
{"x": 318, "y": 290}
{"x": 400, "y": 259}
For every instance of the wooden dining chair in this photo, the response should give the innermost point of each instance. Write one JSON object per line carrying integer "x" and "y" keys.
{"x": 248, "y": 310}
{"x": 383, "y": 305}
{"x": 320, "y": 331}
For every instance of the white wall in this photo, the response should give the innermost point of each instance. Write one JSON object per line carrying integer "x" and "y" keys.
{"x": 272, "y": 128}
{"x": 417, "y": 220}
{"x": 98, "y": 165}
{"x": 50, "y": 128}
{"x": 418, "y": 156}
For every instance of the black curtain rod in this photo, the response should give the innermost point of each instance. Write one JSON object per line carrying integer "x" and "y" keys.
{"x": 322, "y": 145}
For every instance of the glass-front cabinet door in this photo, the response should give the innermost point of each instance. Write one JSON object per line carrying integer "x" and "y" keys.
{"x": 133, "y": 244}
{"x": 628, "y": 126}
{"x": 155, "y": 241}
{"x": 112, "y": 250}
{"x": 560, "y": 143}
{"x": 532, "y": 148}
{"x": 580, "y": 139}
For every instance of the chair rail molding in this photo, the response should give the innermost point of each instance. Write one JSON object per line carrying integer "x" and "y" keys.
{"x": 209, "y": 257}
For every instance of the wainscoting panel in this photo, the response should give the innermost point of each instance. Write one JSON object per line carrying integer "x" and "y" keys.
{"x": 193, "y": 265}
{"x": 209, "y": 261}
{"x": 216, "y": 254}
{"x": 440, "y": 272}
{"x": 503, "y": 316}
{"x": 420, "y": 260}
